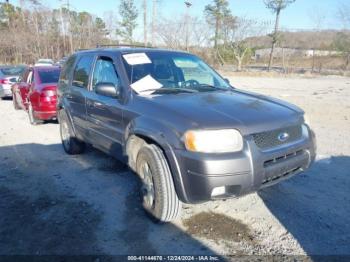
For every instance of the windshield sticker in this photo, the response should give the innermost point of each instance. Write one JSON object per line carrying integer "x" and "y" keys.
{"x": 137, "y": 59}
{"x": 146, "y": 85}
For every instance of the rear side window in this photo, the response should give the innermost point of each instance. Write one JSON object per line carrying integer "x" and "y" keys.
{"x": 66, "y": 72}
{"x": 49, "y": 76}
{"x": 82, "y": 71}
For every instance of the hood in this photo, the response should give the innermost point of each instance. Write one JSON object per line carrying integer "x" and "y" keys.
{"x": 247, "y": 112}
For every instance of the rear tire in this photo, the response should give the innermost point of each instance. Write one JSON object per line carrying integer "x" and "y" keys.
{"x": 33, "y": 121}
{"x": 70, "y": 143}
{"x": 158, "y": 192}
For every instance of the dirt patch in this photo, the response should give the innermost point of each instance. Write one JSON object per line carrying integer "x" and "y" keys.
{"x": 46, "y": 225}
{"x": 217, "y": 227}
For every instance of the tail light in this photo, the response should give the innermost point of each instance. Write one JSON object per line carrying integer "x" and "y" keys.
{"x": 4, "y": 81}
{"x": 48, "y": 94}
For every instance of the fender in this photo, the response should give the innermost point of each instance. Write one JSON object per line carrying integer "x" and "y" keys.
{"x": 166, "y": 139}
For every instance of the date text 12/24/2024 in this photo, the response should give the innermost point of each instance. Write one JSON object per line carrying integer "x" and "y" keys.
{"x": 173, "y": 258}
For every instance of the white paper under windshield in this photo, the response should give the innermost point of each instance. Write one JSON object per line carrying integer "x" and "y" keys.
{"x": 137, "y": 59}
{"x": 146, "y": 85}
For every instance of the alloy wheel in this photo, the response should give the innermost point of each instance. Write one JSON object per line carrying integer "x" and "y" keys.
{"x": 147, "y": 188}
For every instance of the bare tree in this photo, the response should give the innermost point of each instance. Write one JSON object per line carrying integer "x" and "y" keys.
{"x": 342, "y": 41}
{"x": 172, "y": 32}
{"x": 32, "y": 30}
{"x": 276, "y": 6}
{"x": 109, "y": 18}
{"x": 318, "y": 18}
{"x": 238, "y": 33}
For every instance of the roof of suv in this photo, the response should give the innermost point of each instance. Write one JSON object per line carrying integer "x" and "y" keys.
{"x": 128, "y": 50}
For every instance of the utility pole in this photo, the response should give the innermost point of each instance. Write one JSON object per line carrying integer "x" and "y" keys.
{"x": 154, "y": 15}
{"x": 188, "y": 5}
{"x": 145, "y": 22}
{"x": 63, "y": 31}
{"x": 70, "y": 27}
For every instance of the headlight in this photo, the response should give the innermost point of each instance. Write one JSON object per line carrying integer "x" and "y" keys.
{"x": 213, "y": 141}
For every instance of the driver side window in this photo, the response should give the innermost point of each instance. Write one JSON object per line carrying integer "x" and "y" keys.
{"x": 104, "y": 72}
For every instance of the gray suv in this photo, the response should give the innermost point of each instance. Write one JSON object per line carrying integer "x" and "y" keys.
{"x": 184, "y": 130}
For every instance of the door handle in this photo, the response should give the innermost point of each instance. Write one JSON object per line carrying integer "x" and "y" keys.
{"x": 94, "y": 104}
{"x": 68, "y": 96}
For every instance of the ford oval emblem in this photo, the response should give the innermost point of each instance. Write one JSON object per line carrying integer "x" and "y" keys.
{"x": 283, "y": 137}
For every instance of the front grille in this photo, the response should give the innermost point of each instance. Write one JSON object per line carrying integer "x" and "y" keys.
{"x": 270, "y": 139}
{"x": 282, "y": 158}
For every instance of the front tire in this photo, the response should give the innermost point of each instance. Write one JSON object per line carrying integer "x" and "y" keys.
{"x": 159, "y": 196}
{"x": 70, "y": 143}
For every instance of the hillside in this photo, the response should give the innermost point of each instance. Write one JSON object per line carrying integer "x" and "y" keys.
{"x": 302, "y": 39}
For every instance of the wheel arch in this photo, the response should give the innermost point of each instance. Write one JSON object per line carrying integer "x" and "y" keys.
{"x": 154, "y": 133}
{"x": 61, "y": 108}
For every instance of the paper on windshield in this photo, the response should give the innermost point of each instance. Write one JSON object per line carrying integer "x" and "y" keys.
{"x": 137, "y": 59}
{"x": 146, "y": 83}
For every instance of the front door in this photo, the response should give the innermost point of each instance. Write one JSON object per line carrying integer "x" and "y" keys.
{"x": 104, "y": 114}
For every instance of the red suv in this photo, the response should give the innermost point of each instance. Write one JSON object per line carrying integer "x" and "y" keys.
{"x": 36, "y": 93}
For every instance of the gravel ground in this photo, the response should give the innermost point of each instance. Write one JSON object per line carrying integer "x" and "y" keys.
{"x": 52, "y": 203}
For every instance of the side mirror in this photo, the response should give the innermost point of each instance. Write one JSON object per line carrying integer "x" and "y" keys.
{"x": 107, "y": 89}
{"x": 227, "y": 80}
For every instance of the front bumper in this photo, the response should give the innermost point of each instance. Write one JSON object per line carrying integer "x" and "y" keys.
{"x": 236, "y": 174}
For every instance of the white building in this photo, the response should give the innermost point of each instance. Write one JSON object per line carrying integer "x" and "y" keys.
{"x": 279, "y": 51}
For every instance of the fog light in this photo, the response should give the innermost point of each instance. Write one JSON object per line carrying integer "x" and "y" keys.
{"x": 217, "y": 191}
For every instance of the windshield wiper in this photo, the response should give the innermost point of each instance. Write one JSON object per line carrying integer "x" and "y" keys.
{"x": 213, "y": 88}
{"x": 170, "y": 89}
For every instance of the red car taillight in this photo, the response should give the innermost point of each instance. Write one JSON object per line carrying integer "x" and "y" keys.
{"x": 48, "y": 94}
{"x": 4, "y": 81}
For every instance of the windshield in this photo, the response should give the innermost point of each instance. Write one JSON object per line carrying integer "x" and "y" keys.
{"x": 49, "y": 76}
{"x": 160, "y": 71}
{"x": 12, "y": 71}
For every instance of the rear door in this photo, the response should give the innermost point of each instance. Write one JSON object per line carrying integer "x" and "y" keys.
{"x": 78, "y": 91}
{"x": 24, "y": 88}
{"x": 104, "y": 113}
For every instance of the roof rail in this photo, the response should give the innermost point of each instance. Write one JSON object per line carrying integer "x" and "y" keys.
{"x": 122, "y": 45}
{"x": 80, "y": 49}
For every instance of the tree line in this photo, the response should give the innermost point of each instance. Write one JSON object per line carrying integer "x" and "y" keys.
{"x": 31, "y": 30}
